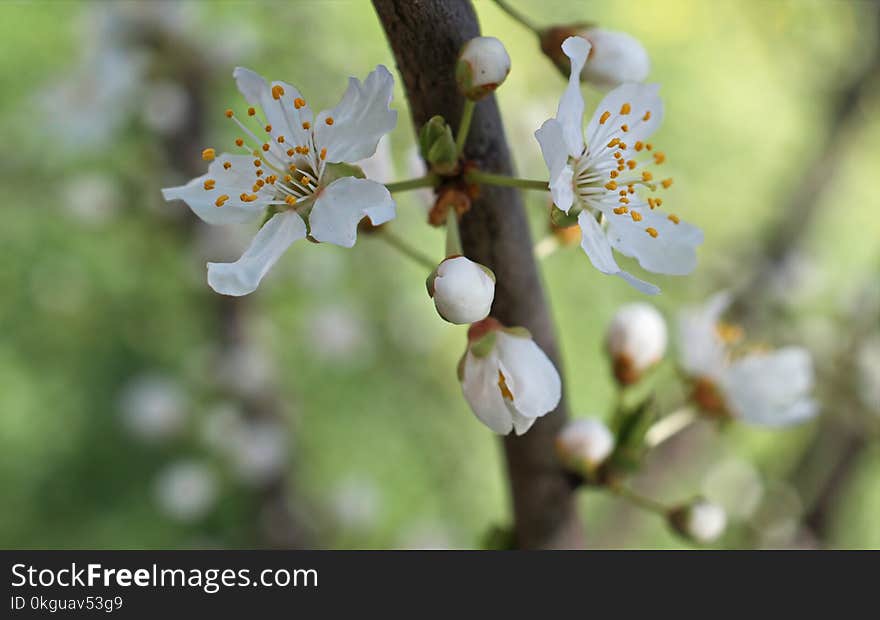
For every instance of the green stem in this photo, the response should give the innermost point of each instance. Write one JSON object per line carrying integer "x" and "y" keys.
{"x": 429, "y": 180}
{"x": 646, "y": 503}
{"x": 407, "y": 250}
{"x": 453, "y": 235}
{"x": 464, "y": 127}
{"x": 517, "y": 16}
{"x": 487, "y": 178}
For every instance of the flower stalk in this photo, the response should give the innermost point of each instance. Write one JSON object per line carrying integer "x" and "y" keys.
{"x": 488, "y": 178}
{"x": 406, "y": 249}
{"x": 517, "y": 16}
{"x": 467, "y": 115}
{"x": 429, "y": 180}
{"x": 453, "y": 235}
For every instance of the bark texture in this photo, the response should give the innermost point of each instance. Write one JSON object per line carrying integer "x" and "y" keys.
{"x": 425, "y": 36}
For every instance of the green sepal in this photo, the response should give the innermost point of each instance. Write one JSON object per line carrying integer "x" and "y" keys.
{"x": 484, "y": 346}
{"x": 332, "y": 172}
{"x": 437, "y": 146}
{"x": 562, "y": 219}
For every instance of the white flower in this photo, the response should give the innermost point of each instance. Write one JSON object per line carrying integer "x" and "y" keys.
{"x": 507, "y": 380}
{"x": 153, "y": 407}
{"x": 462, "y": 290}
{"x": 702, "y": 521}
{"x": 298, "y": 173}
{"x": 584, "y": 443}
{"x": 766, "y": 388}
{"x": 636, "y": 340}
{"x": 483, "y": 65}
{"x": 186, "y": 490}
{"x": 614, "y": 59}
{"x": 597, "y": 178}
{"x": 258, "y": 452}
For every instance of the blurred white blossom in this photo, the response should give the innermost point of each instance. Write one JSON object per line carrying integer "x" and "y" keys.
{"x": 154, "y": 407}
{"x": 92, "y": 197}
{"x": 186, "y": 490}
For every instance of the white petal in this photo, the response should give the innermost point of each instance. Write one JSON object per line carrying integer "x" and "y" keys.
{"x": 642, "y": 98}
{"x": 598, "y": 249}
{"x": 616, "y": 57}
{"x": 232, "y": 182}
{"x": 555, "y": 153}
{"x": 703, "y": 354}
{"x": 280, "y": 113}
{"x": 672, "y": 251}
{"x": 272, "y": 240}
{"x": 361, "y": 118}
{"x": 771, "y": 389}
{"x": 529, "y": 374}
{"x": 344, "y": 203}
{"x": 463, "y": 291}
{"x": 521, "y": 424}
{"x": 570, "y": 112}
{"x": 480, "y": 388}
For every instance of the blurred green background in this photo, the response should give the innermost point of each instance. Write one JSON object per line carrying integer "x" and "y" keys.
{"x": 137, "y": 409}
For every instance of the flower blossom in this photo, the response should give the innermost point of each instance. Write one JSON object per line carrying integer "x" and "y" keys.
{"x": 507, "y": 380}
{"x": 636, "y": 341}
{"x": 296, "y": 175}
{"x": 595, "y": 173}
{"x": 766, "y": 388}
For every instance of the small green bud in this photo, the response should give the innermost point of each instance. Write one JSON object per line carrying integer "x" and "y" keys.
{"x": 437, "y": 146}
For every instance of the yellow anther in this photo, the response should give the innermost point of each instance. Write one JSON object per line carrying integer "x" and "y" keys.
{"x": 292, "y": 167}
{"x": 672, "y": 217}
{"x": 260, "y": 183}
{"x": 631, "y": 188}
{"x": 288, "y": 178}
{"x": 248, "y": 197}
{"x": 636, "y": 216}
{"x": 614, "y": 174}
{"x": 659, "y": 157}
{"x": 666, "y": 183}
{"x": 280, "y": 139}
{"x": 299, "y": 102}
{"x": 652, "y": 231}
{"x": 256, "y": 153}
{"x": 652, "y": 203}
{"x": 329, "y": 120}
{"x": 624, "y": 200}
{"x": 290, "y": 152}
{"x": 258, "y": 163}
{"x": 229, "y": 113}
{"x": 259, "y": 172}
{"x": 209, "y": 184}
{"x": 271, "y": 179}
{"x": 256, "y": 187}
{"x": 618, "y": 155}
{"x": 324, "y": 153}
{"x": 632, "y": 164}
{"x": 239, "y": 142}
{"x": 251, "y": 111}
{"x": 659, "y": 201}
{"x": 605, "y": 116}
{"x": 265, "y": 146}
{"x": 622, "y": 192}
{"x": 625, "y": 108}
{"x": 268, "y": 128}
{"x": 729, "y": 333}
{"x": 209, "y": 154}
{"x": 611, "y": 185}
{"x": 613, "y": 143}
{"x": 624, "y": 127}
{"x": 291, "y": 200}
{"x": 307, "y": 125}
{"x": 647, "y": 176}
{"x": 277, "y": 91}
{"x": 647, "y": 116}
{"x": 220, "y": 200}
{"x": 649, "y": 146}
{"x": 623, "y": 146}
{"x": 640, "y": 145}
{"x": 304, "y": 180}
{"x": 227, "y": 165}
{"x": 502, "y": 385}
{"x": 621, "y": 210}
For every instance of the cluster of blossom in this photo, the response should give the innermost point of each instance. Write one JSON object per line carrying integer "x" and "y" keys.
{"x": 297, "y": 172}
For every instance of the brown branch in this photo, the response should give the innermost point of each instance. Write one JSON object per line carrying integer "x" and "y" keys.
{"x": 426, "y": 36}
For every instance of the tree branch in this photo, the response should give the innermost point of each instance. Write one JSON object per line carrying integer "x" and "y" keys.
{"x": 426, "y": 36}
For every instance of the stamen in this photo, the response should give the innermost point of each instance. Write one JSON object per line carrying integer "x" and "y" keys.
{"x": 259, "y": 172}
{"x": 611, "y": 185}
{"x": 280, "y": 139}
{"x": 265, "y": 146}
{"x": 624, "y": 127}
{"x": 666, "y": 183}
{"x": 672, "y": 217}
{"x": 268, "y": 128}
{"x": 613, "y": 143}
{"x": 652, "y": 231}
{"x": 251, "y": 111}
{"x": 248, "y": 197}
{"x": 324, "y": 153}
{"x": 239, "y": 142}
{"x": 258, "y": 163}
{"x": 621, "y": 210}
{"x": 649, "y": 146}
{"x": 329, "y": 120}
{"x": 659, "y": 201}
{"x": 636, "y": 216}
{"x": 652, "y": 203}
{"x": 307, "y": 125}
{"x": 291, "y": 200}
{"x": 209, "y": 184}
{"x": 605, "y": 116}
{"x": 640, "y": 145}
{"x": 624, "y": 200}
{"x": 502, "y": 385}
{"x": 299, "y": 102}
{"x": 221, "y": 200}
{"x": 209, "y": 154}
{"x": 614, "y": 174}
{"x": 277, "y": 91}
{"x": 229, "y": 113}
{"x": 625, "y": 108}
{"x": 647, "y": 176}
{"x": 647, "y": 116}
{"x": 632, "y": 164}
{"x": 659, "y": 157}
{"x": 227, "y": 165}
{"x": 304, "y": 180}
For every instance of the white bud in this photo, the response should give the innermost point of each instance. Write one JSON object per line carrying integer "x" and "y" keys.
{"x": 584, "y": 443}
{"x": 483, "y": 65}
{"x": 636, "y": 340}
{"x": 615, "y": 58}
{"x": 702, "y": 521}
{"x": 186, "y": 490}
{"x": 462, "y": 290}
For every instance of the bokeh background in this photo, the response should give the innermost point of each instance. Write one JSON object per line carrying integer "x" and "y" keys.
{"x": 140, "y": 410}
